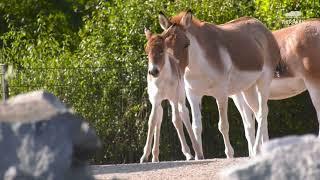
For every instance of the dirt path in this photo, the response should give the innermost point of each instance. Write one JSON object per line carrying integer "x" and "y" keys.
{"x": 205, "y": 169}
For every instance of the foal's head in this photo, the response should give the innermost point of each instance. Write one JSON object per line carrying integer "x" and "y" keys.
{"x": 172, "y": 43}
{"x": 155, "y": 50}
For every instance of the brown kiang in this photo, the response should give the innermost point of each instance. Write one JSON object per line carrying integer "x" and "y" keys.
{"x": 298, "y": 71}
{"x": 233, "y": 59}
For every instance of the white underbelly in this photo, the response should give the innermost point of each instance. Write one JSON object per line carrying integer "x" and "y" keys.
{"x": 202, "y": 82}
{"x": 162, "y": 92}
{"x": 241, "y": 80}
{"x": 206, "y": 84}
{"x": 282, "y": 88}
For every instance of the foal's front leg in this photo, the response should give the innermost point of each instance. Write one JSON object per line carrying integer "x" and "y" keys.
{"x": 156, "y": 111}
{"x": 156, "y": 138}
{"x": 224, "y": 125}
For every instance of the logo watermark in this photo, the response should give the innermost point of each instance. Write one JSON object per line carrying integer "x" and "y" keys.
{"x": 293, "y": 17}
{"x": 293, "y": 14}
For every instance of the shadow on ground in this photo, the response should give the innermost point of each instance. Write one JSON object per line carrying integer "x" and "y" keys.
{"x": 129, "y": 168}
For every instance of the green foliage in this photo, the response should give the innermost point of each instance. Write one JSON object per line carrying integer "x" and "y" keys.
{"x": 272, "y": 12}
{"x": 91, "y": 55}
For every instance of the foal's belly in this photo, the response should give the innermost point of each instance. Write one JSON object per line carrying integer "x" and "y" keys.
{"x": 282, "y": 88}
{"x": 170, "y": 89}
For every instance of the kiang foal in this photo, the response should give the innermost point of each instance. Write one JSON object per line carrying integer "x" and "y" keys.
{"x": 238, "y": 57}
{"x": 165, "y": 81}
{"x": 299, "y": 71}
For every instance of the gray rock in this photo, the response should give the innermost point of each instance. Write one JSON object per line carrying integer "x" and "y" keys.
{"x": 42, "y": 139}
{"x": 286, "y": 141}
{"x": 288, "y": 158}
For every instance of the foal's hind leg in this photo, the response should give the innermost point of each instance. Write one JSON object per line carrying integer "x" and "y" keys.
{"x": 313, "y": 87}
{"x": 177, "y": 122}
{"x": 247, "y": 119}
{"x": 156, "y": 111}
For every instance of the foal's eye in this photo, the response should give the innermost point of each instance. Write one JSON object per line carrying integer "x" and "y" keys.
{"x": 187, "y": 45}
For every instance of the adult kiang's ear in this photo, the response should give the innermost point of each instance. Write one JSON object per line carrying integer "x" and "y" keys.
{"x": 171, "y": 55}
{"x": 186, "y": 20}
{"x": 164, "y": 21}
{"x": 148, "y": 33}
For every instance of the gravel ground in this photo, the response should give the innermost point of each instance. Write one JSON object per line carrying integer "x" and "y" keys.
{"x": 204, "y": 169}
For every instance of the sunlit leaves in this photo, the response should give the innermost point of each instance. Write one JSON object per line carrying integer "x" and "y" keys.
{"x": 91, "y": 55}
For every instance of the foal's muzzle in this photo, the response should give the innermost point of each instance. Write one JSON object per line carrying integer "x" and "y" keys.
{"x": 154, "y": 72}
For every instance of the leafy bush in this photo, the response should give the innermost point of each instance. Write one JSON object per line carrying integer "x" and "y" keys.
{"x": 91, "y": 55}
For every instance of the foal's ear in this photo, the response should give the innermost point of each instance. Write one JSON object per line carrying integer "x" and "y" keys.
{"x": 164, "y": 21}
{"x": 148, "y": 33}
{"x": 186, "y": 19}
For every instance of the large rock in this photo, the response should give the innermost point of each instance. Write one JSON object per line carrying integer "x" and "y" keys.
{"x": 42, "y": 139}
{"x": 289, "y": 158}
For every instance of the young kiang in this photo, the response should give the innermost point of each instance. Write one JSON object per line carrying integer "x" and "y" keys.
{"x": 237, "y": 58}
{"x": 299, "y": 71}
{"x": 165, "y": 81}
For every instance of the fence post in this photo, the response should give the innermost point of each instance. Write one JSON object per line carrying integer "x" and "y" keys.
{"x": 4, "y": 83}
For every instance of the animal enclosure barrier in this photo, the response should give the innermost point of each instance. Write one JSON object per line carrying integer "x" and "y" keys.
{"x": 75, "y": 86}
{"x": 119, "y": 117}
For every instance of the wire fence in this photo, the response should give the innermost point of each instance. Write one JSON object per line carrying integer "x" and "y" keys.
{"x": 79, "y": 81}
{"x": 86, "y": 89}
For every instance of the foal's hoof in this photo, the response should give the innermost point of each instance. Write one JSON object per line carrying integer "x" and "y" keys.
{"x": 155, "y": 160}
{"x": 199, "y": 157}
{"x": 251, "y": 155}
{"x": 255, "y": 153}
{"x": 229, "y": 156}
{"x": 229, "y": 153}
{"x": 189, "y": 157}
{"x": 143, "y": 159}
